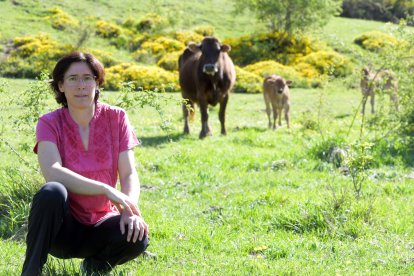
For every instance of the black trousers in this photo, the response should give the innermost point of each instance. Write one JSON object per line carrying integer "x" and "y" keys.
{"x": 52, "y": 229}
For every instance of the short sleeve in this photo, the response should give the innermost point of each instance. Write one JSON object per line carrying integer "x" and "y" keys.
{"x": 127, "y": 137}
{"x": 45, "y": 132}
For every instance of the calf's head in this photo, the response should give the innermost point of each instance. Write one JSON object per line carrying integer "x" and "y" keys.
{"x": 211, "y": 50}
{"x": 278, "y": 84}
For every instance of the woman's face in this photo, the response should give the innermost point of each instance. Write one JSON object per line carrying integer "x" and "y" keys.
{"x": 79, "y": 86}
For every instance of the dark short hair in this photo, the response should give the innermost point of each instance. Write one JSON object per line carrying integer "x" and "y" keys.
{"x": 63, "y": 65}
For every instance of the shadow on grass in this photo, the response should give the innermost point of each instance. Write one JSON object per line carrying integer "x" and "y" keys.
{"x": 155, "y": 141}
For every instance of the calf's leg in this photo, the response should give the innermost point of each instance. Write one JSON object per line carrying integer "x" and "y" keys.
{"x": 267, "y": 102}
{"x": 287, "y": 115}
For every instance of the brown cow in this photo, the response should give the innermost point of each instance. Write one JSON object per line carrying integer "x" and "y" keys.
{"x": 276, "y": 93}
{"x": 206, "y": 75}
{"x": 372, "y": 81}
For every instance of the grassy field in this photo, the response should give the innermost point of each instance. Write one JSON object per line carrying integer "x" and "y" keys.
{"x": 256, "y": 201}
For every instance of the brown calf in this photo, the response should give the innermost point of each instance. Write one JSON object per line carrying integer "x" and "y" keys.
{"x": 372, "y": 81}
{"x": 276, "y": 93}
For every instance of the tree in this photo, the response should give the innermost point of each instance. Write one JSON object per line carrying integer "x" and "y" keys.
{"x": 291, "y": 15}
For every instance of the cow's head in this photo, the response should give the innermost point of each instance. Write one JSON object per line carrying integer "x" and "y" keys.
{"x": 278, "y": 83}
{"x": 210, "y": 49}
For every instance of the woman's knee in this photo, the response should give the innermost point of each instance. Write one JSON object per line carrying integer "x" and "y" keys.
{"x": 51, "y": 194}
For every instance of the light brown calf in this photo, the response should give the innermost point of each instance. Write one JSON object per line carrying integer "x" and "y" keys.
{"x": 372, "y": 81}
{"x": 276, "y": 93}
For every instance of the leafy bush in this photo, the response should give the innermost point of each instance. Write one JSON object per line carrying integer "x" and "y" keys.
{"x": 157, "y": 48}
{"x": 151, "y": 22}
{"x": 205, "y": 30}
{"x": 31, "y": 55}
{"x": 169, "y": 61}
{"x": 247, "y": 82}
{"x": 270, "y": 67}
{"x": 107, "y": 29}
{"x": 323, "y": 148}
{"x": 375, "y": 41}
{"x": 106, "y": 58}
{"x": 328, "y": 63}
{"x": 186, "y": 37}
{"x": 283, "y": 48}
{"x": 61, "y": 20}
{"x": 144, "y": 77}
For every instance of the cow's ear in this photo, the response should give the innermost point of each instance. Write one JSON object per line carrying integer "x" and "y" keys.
{"x": 225, "y": 48}
{"x": 193, "y": 47}
{"x": 289, "y": 82}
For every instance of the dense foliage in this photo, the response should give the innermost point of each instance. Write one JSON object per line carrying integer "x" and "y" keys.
{"x": 383, "y": 10}
{"x": 290, "y": 15}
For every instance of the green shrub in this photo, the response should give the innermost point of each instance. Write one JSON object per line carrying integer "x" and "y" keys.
{"x": 169, "y": 61}
{"x": 375, "y": 41}
{"x": 328, "y": 63}
{"x": 270, "y": 67}
{"x": 247, "y": 82}
{"x": 31, "y": 55}
{"x": 61, "y": 20}
{"x": 157, "y": 48}
{"x": 186, "y": 37}
{"x": 106, "y": 58}
{"x": 145, "y": 77}
{"x": 151, "y": 22}
{"x": 204, "y": 30}
{"x": 278, "y": 46}
{"x": 107, "y": 29}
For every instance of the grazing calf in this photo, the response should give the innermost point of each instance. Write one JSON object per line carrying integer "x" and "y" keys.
{"x": 276, "y": 93}
{"x": 206, "y": 75}
{"x": 372, "y": 81}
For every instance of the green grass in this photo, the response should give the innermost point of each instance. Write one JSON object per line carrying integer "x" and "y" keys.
{"x": 255, "y": 201}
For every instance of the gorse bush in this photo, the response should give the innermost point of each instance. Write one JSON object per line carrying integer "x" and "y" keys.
{"x": 107, "y": 29}
{"x": 328, "y": 63}
{"x": 61, "y": 20}
{"x": 157, "y": 47}
{"x": 145, "y": 77}
{"x": 169, "y": 61}
{"x": 247, "y": 82}
{"x": 32, "y": 54}
{"x": 186, "y": 37}
{"x": 204, "y": 30}
{"x": 375, "y": 41}
{"x": 270, "y": 67}
{"x": 278, "y": 46}
{"x": 151, "y": 22}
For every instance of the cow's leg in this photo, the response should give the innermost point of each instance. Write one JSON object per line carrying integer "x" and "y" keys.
{"x": 287, "y": 115}
{"x": 222, "y": 114}
{"x": 373, "y": 103}
{"x": 185, "y": 115}
{"x": 205, "y": 128}
{"x": 267, "y": 102}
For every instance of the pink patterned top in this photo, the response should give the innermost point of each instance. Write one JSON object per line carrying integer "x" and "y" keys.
{"x": 110, "y": 133}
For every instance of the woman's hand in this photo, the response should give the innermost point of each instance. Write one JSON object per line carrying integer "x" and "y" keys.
{"x": 122, "y": 200}
{"x": 136, "y": 225}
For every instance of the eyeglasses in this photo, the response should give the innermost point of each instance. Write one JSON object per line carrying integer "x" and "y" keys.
{"x": 87, "y": 80}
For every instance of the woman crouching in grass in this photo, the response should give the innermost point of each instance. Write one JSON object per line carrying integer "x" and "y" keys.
{"x": 82, "y": 147}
